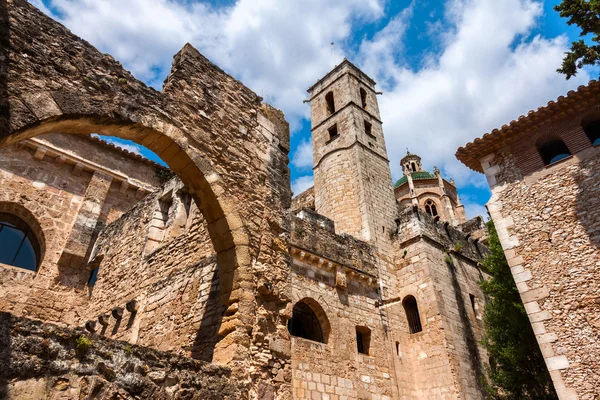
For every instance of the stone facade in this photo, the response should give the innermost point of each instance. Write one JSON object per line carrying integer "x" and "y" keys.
{"x": 342, "y": 294}
{"x": 548, "y": 222}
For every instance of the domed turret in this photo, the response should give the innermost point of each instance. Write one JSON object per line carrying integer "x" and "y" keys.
{"x": 411, "y": 163}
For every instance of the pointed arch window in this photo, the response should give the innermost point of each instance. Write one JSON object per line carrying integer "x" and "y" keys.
{"x": 330, "y": 103}
{"x": 363, "y": 98}
{"x": 430, "y": 208}
{"x": 19, "y": 246}
{"x": 412, "y": 314}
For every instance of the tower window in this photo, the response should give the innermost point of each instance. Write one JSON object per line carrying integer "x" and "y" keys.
{"x": 19, "y": 246}
{"x": 412, "y": 314}
{"x": 363, "y": 98}
{"x": 553, "y": 151}
{"x": 330, "y": 103}
{"x": 333, "y": 132}
{"x": 363, "y": 339}
{"x": 414, "y": 167}
{"x": 430, "y": 208}
{"x": 593, "y": 132}
{"x": 473, "y": 304}
{"x": 305, "y": 323}
{"x": 368, "y": 128}
{"x": 93, "y": 276}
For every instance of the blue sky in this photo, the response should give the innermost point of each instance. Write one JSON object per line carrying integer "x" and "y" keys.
{"x": 450, "y": 70}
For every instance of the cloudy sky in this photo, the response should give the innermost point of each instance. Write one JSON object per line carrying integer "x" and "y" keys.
{"x": 449, "y": 70}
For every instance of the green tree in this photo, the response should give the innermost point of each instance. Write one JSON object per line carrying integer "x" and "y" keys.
{"x": 517, "y": 368}
{"x": 586, "y": 15}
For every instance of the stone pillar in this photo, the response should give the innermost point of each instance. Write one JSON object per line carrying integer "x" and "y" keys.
{"x": 80, "y": 238}
{"x": 445, "y": 199}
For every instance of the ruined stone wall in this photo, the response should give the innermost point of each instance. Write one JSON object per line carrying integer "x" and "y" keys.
{"x": 305, "y": 199}
{"x": 43, "y": 361}
{"x": 437, "y": 265}
{"x": 548, "y": 223}
{"x": 339, "y": 274}
{"x": 41, "y": 186}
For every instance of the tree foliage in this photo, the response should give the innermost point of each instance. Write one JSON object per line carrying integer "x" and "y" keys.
{"x": 517, "y": 368}
{"x": 586, "y": 15}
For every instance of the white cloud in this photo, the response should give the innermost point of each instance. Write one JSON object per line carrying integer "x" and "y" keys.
{"x": 302, "y": 183}
{"x": 488, "y": 72}
{"x": 277, "y": 48}
{"x": 303, "y": 156}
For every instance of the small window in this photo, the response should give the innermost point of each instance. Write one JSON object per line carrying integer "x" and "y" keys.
{"x": 363, "y": 339}
{"x": 412, "y": 314}
{"x": 19, "y": 245}
{"x": 305, "y": 324}
{"x": 363, "y": 98}
{"x": 330, "y": 103}
{"x": 430, "y": 208}
{"x": 398, "y": 349}
{"x": 369, "y": 129}
{"x": 333, "y": 132}
{"x": 414, "y": 167}
{"x": 553, "y": 151}
{"x": 593, "y": 132}
{"x": 93, "y": 277}
{"x": 472, "y": 298}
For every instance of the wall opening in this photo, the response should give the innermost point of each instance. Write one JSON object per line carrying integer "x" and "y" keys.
{"x": 472, "y": 298}
{"x": 363, "y": 339}
{"x": 363, "y": 98}
{"x": 369, "y": 128}
{"x": 19, "y": 245}
{"x": 333, "y": 132}
{"x": 592, "y": 131}
{"x": 330, "y": 103}
{"x": 412, "y": 314}
{"x": 553, "y": 150}
{"x": 430, "y": 208}
{"x": 398, "y": 349}
{"x": 306, "y": 324}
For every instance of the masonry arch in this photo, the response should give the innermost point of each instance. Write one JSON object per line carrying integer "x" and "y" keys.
{"x": 309, "y": 321}
{"x": 186, "y": 159}
{"x": 16, "y": 214}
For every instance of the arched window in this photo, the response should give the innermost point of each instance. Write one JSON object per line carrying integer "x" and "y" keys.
{"x": 553, "y": 150}
{"x": 363, "y": 339}
{"x": 430, "y": 208}
{"x": 592, "y": 130}
{"x": 305, "y": 322}
{"x": 414, "y": 167}
{"x": 363, "y": 98}
{"x": 412, "y": 314}
{"x": 19, "y": 246}
{"x": 330, "y": 103}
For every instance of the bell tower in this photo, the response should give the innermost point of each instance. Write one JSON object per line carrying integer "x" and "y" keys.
{"x": 353, "y": 183}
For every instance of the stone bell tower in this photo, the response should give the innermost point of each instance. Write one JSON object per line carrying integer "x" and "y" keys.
{"x": 353, "y": 183}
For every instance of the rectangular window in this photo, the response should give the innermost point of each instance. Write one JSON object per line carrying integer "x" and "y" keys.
{"x": 369, "y": 129}
{"x": 363, "y": 339}
{"x": 333, "y": 132}
{"x": 473, "y": 305}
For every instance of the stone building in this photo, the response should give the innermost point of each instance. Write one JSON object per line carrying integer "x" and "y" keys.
{"x": 118, "y": 284}
{"x": 543, "y": 170}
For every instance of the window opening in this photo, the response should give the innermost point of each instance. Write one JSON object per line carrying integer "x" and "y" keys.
{"x": 414, "y": 167}
{"x": 412, "y": 314}
{"x": 472, "y": 298}
{"x": 333, "y": 132}
{"x": 593, "y": 132}
{"x": 363, "y": 98}
{"x": 305, "y": 324}
{"x": 430, "y": 208}
{"x": 368, "y": 129}
{"x": 93, "y": 276}
{"x": 398, "y": 348}
{"x": 363, "y": 339}
{"x": 330, "y": 103}
{"x": 20, "y": 247}
{"x": 553, "y": 151}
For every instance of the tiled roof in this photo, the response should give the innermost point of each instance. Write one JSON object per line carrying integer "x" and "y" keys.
{"x": 415, "y": 176}
{"x": 573, "y": 103}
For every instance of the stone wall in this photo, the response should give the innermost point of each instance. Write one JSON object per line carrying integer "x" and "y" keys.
{"x": 548, "y": 223}
{"x": 44, "y": 361}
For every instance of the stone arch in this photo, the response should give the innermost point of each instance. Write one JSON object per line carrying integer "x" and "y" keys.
{"x": 32, "y": 222}
{"x": 320, "y": 314}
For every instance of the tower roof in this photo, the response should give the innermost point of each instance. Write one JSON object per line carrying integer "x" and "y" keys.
{"x": 339, "y": 67}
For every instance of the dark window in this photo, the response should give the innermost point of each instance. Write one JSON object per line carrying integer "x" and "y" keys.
{"x": 93, "y": 276}
{"x": 330, "y": 103}
{"x": 472, "y": 298}
{"x": 412, "y": 314}
{"x": 333, "y": 132}
{"x": 305, "y": 324}
{"x": 430, "y": 208}
{"x": 368, "y": 128}
{"x": 18, "y": 245}
{"x": 363, "y": 339}
{"x": 363, "y": 98}
{"x": 593, "y": 132}
{"x": 397, "y": 348}
{"x": 553, "y": 151}
{"x": 414, "y": 167}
